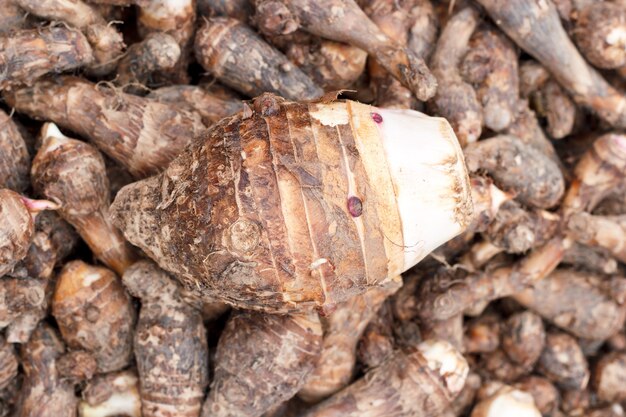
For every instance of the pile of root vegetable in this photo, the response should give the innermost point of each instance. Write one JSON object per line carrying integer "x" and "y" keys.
{"x": 201, "y": 216}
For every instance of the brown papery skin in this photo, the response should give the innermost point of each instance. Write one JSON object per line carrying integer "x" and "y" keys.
{"x": 455, "y": 99}
{"x": 8, "y": 363}
{"x": 16, "y": 230}
{"x": 523, "y": 338}
{"x": 95, "y": 313}
{"x": 157, "y": 52}
{"x": 239, "y": 58}
{"x": 44, "y": 393}
{"x": 73, "y": 173}
{"x": 142, "y": 135}
{"x": 106, "y": 42}
{"x": 344, "y": 21}
{"x": 516, "y": 230}
{"x": 262, "y": 360}
{"x": 211, "y": 107}
{"x": 14, "y": 158}
{"x": 342, "y": 330}
{"x": 549, "y": 44}
{"x": 534, "y": 178}
{"x": 443, "y": 297}
{"x": 598, "y": 172}
{"x": 28, "y": 54}
{"x": 544, "y": 393}
{"x": 490, "y": 65}
{"x": 563, "y": 362}
{"x": 170, "y": 345}
{"x": 402, "y": 386}
{"x": 600, "y": 34}
{"x": 588, "y": 306}
{"x": 607, "y": 232}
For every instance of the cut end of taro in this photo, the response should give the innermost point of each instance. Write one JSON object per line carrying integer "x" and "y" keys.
{"x": 446, "y": 361}
{"x": 507, "y": 402}
{"x": 123, "y": 401}
{"x": 430, "y": 178}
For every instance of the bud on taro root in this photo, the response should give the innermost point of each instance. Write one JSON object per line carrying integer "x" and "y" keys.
{"x": 293, "y": 205}
{"x": 417, "y": 382}
{"x": 112, "y": 394}
{"x": 94, "y": 313}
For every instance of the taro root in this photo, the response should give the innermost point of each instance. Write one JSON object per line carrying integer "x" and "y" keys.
{"x": 112, "y": 394}
{"x": 271, "y": 210}
{"x": 507, "y": 401}
{"x": 563, "y": 362}
{"x": 14, "y": 158}
{"x": 608, "y": 377}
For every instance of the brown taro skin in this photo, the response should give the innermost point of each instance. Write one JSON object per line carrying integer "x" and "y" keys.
{"x": 545, "y": 394}
{"x": 523, "y": 338}
{"x": 170, "y": 345}
{"x": 44, "y": 393}
{"x": 142, "y": 135}
{"x": 8, "y": 363}
{"x": 599, "y": 34}
{"x": 28, "y": 54}
{"x": 608, "y": 377}
{"x": 95, "y": 313}
{"x": 262, "y": 360}
{"x": 563, "y": 362}
{"x": 16, "y": 230}
{"x": 239, "y": 58}
{"x": 14, "y": 158}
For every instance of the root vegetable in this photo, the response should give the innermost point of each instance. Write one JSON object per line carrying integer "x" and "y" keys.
{"x": 262, "y": 360}
{"x": 419, "y": 382}
{"x": 515, "y": 166}
{"x": 455, "y": 99}
{"x": 73, "y": 173}
{"x": 377, "y": 341}
{"x": 239, "y": 58}
{"x": 94, "y": 313}
{"x": 490, "y": 65}
{"x": 563, "y": 362}
{"x": 112, "y": 394}
{"x": 507, "y": 401}
{"x": 11, "y": 16}
{"x": 482, "y": 335}
{"x": 606, "y": 232}
{"x": 14, "y": 158}
{"x": 237, "y": 9}
{"x": 44, "y": 393}
{"x": 77, "y": 366}
{"x": 275, "y": 170}
{"x": 157, "y": 52}
{"x": 210, "y": 106}
{"x": 342, "y": 330}
{"x": 141, "y": 134}
{"x": 498, "y": 366}
{"x": 549, "y": 44}
{"x": 588, "y": 306}
{"x": 423, "y": 33}
{"x": 526, "y": 128}
{"x": 593, "y": 259}
{"x": 8, "y": 363}
{"x": 600, "y": 33}
{"x": 523, "y": 338}
{"x": 449, "y": 330}
{"x": 609, "y": 376}
{"x": 28, "y": 54}
{"x": 344, "y": 21}
{"x": 170, "y": 345}
{"x": 544, "y": 393}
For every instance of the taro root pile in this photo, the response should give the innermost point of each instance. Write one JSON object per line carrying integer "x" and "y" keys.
{"x": 312, "y": 208}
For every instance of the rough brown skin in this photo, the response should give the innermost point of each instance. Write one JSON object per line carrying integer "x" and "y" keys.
{"x": 404, "y": 385}
{"x": 532, "y": 76}
{"x": 237, "y": 9}
{"x": 498, "y": 366}
{"x": 28, "y": 54}
{"x": 262, "y": 360}
{"x": 156, "y": 52}
{"x": 563, "y": 362}
{"x": 170, "y": 345}
{"x": 600, "y": 34}
{"x": 534, "y": 178}
{"x": 490, "y": 65}
{"x": 106, "y": 42}
{"x": 77, "y": 366}
{"x": 11, "y": 16}
{"x": 142, "y": 135}
{"x": 16, "y": 231}
{"x": 14, "y": 158}
{"x": 516, "y": 230}
{"x": 115, "y": 393}
{"x": 239, "y": 58}
{"x": 443, "y": 297}
{"x": 482, "y": 335}
{"x": 73, "y": 173}
{"x": 526, "y": 128}
{"x": 450, "y": 330}
{"x": 487, "y": 200}
{"x": 589, "y": 306}
{"x": 94, "y": 313}
{"x": 598, "y": 172}
{"x": 44, "y": 393}
{"x": 343, "y": 21}
{"x": 523, "y": 338}
{"x": 558, "y": 109}
{"x": 455, "y": 99}
{"x": 605, "y": 232}
{"x": 8, "y": 363}
{"x": 544, "y": 393}
{"x": 24, "y": 303}
{"x": 608, "y": 377}
{"x": 377, "y": 341}
{"x": 342, "y": 330}
{"x": 211, "y": 107}
{"x": 614, "y": 203}
{"x": 548, "y": 42}
{"x": 575, "y": 401}
{"x": 423, "y": 33}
